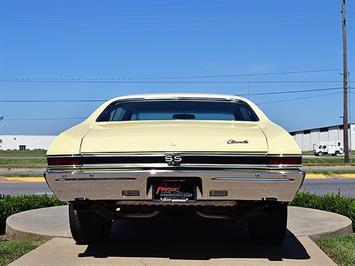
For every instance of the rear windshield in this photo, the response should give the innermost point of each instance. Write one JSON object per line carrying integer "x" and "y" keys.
{"x": 177, "y": 110}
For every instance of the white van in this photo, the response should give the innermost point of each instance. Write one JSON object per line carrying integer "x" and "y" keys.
{"x": 320, "y": 149}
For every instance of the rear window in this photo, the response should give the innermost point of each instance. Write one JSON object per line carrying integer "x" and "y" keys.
{"x": 177, "y": 110}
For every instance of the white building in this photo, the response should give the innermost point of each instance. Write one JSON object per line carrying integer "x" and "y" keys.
{"x": 25, "y": 142}
{"x": 307, "y": 138}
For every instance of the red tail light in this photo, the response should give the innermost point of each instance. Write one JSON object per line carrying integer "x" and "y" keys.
{"x": 64, "y": 160}
{"x": 285, "y": 160}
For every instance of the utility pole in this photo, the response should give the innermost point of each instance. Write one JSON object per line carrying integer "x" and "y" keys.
{"x": 1, "y": 118}
{"x": 345, "y": 87}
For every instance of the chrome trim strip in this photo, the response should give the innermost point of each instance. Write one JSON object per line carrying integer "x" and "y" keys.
{"x": 164, "y": 165}
{"x": 160, "y": 171}
{"x": 252, "y": 179}
{"x": 130, "y": 154}
{"x": 152, "y": 154}
{"x": 94, "y": 178}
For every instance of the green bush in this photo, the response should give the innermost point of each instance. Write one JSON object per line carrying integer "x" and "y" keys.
{"x": 329, "y": 202}
{"x": 13, "y": 204}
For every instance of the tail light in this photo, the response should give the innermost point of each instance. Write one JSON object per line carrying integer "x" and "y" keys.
{"x": 58, "y": 161}
{"x": 285, "y": 160}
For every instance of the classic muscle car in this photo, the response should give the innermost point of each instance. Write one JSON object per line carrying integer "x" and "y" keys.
{"x": 137, "y": 156}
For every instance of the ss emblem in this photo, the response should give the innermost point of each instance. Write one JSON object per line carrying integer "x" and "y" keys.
{"x": 173, "y": 159}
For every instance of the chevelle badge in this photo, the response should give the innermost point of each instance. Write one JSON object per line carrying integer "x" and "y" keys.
{"x": 233, "y": 141}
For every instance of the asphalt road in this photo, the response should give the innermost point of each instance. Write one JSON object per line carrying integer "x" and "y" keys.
{"x": 38, "y": 172}
{"x": 24, "y": 188}
{"x": 319, "y": 186}
{"x": 346, "y": 186}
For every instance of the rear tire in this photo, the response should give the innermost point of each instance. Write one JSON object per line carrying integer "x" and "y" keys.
{"x": 320, "y": 153}
{"x": 269, "y": 227}
{"x": 87, "y": 227}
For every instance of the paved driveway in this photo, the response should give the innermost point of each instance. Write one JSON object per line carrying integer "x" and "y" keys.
{"x": 176, "y": 241}
{"x": 169, "y": 249}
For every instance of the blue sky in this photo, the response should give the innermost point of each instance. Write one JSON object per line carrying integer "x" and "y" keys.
{"x": 86, "y": 39}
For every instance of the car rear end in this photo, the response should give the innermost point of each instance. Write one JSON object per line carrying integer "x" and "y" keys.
{"x": 220, "y": 168}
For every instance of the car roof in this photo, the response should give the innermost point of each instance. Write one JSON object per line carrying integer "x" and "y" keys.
{"x": 179, "y": 96}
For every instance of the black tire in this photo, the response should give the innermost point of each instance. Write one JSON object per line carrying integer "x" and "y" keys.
{"x": 337, "y": 153}
{"x": 320, "y": 153}
{"x": 87, "y": 227}
{"x": 269, "y": 227}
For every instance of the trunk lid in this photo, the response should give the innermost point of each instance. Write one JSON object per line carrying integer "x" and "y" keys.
{"x": 171, "y": 136}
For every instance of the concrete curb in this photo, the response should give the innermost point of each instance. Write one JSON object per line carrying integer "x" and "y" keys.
{"x": 54, "y": 222}
{"x": 318, "y": 224}
{"x": 41, "y": 223}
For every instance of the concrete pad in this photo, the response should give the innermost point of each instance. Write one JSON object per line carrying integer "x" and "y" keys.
{"x": 206, "y": 251}
{"x": 54, "y": 222}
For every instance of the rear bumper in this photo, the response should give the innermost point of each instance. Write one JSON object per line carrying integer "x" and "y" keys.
{"x": 239, "y": 184}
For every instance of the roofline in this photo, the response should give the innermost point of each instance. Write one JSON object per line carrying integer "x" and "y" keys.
{"x": 163, "y": 96}
{"x": 318, "y": 128}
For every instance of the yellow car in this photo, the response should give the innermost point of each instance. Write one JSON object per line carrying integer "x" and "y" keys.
{"x": 137, "y": 156}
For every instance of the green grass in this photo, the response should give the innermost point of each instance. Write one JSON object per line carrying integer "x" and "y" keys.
{"x": 23, "y": 163}
{"x": 21, "y": 175}
{"x": 23, "y": 159}
{"x": 341, "y": 249}
{"x": 12, "y": 249}
{"x": 26, "y": 153}
{"x": 325, "y": 161}
{"x": 13, "y": 204}
{"x": 329, "y": 172}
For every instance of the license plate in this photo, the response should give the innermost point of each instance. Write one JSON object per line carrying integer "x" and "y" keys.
{"x": 174, "y": 191}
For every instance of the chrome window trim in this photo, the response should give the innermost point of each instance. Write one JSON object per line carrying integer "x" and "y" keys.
{"x": 200, "y": 99}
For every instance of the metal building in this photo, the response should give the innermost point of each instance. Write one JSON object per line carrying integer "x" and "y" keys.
{"x": 307, "y": 138}
{"x": 25, "y": 142}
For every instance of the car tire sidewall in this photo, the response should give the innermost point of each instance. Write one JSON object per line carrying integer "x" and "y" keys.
{"x": 87, "y": 226}
{"x": 269, "y": 228}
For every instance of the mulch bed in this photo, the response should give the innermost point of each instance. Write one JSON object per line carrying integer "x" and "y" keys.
{"x": 4, "y": 238}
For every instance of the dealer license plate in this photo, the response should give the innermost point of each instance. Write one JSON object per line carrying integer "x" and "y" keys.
{"x": 174, "y": 191}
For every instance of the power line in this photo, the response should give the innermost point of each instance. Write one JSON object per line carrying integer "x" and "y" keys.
{"x": 103, "y": 100}
{"x": 298, "y": 98}
{"x": 190, "y": 76}
{"x": 41, "y": 119}
{"x": 292, "y": 91}
{"x": 53, "y": 101}
{"x": 161, "y": 82}
{"x": 82, "y": 118}
{"x": 116, "y": 79}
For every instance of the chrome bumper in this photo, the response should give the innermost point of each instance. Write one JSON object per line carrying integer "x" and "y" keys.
{"x": 240, "y": 185}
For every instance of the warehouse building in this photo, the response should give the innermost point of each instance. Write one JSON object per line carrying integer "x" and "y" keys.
{"x": 25, "y": 142}
{"x": 308, "y": 138}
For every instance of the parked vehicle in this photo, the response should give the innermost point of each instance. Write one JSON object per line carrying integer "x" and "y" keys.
{"x": 321, "y": 149}
{"x": 137, "y": 156}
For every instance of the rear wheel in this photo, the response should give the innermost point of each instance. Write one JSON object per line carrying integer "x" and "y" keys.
{"x": 87, "y": 226}
{"x": 269, "y": 227}
{"x": 320, "y": 153}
